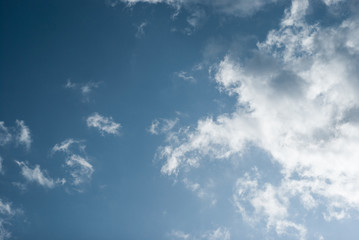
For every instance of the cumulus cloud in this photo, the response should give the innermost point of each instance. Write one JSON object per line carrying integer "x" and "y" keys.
{"x": 103, "y": 124}
{"x": 297, "y": 99}
{"x": 36, "y": 175}
{"x": 76, "y": 161}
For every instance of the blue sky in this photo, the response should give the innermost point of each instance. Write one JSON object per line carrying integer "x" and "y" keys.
{"x": 179, "y": 119}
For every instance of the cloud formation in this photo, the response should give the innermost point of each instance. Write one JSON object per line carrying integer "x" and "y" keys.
{"x": 162, "y": 125}
{"x": 35, "y": 175}
{"x": 84, "y": 88}
{"x": 23, "y": 136}
{"x": 221, "y": 233}
{"x": 105, "y": 125}
{"x": 232, "y": 7}
{"x": 5, "y": 136}
{"x": 297, "y": 99}
{"x": 20, "y": 134}
{"x": 6, "y": 213}
{"x": 76, "y": 161}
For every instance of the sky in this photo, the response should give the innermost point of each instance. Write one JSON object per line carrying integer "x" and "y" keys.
{"x": 179, "y": 119}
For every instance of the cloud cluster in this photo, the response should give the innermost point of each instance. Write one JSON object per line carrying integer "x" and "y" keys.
{"x": 6, "y": 213}
{"x": 20, "y": 134}
{"x": 76, "y": 161}
{"x": 105, "y": 125}
{"x": 297, "y": 99}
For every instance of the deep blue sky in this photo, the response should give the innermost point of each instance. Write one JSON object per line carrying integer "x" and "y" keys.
{"x": 64, "y": 61}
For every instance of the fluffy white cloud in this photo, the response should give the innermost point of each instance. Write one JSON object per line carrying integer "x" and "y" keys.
{"x": 76, "y": 161}
{"x": 103, "y": 124}
{"x": 35, "y": 175}
{"x": 297, "y": 99}
{"x": 24, "y": 136}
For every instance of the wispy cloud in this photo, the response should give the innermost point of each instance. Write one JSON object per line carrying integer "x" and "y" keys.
{"x": 76, "y": 161}
{"x": 84, "y": 88}
{"x": 141, "y": 29}
{"x": 162, "y": 125}
{"x": 231, "y": 7}
{"x": 6, "y": 212}
{"x": 36, "y": 175}
{"x": 105, "y": 125}
{"x": 221, "y": 233}
{"x": 23, "y": 136}
{"x": 5, "y": 136}
{"x": 20, "y": 134}
{"x": 185, "y": 76}
{"x": 1, "y": 166}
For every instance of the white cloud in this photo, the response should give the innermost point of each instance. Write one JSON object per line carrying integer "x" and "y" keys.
{"x": 1, "y": 166}
{"x": 76, "y": 161}
{"x": 297, "y": 99}
{"x": 185, "y": 76}
{"x": 268, "y": 202}
{"x": 232, "y": 7}
{"x": 141, "y": 30}
{"x": 24, "y": 136}
{"x": 70, "y": 84}
{"x": 65, "y": 146}
{"x": 6, "y": 213}
{"x": 103, "y": 124}
{"x": 84, "y": 88}
{"x": 81, "y": 169}
{"x": 221, "y": 233}
{"x": 218, "y": 234}
{"x": 5, "y": 136}
{"x": 179, "y": 235}
{"x": 160, "y": 126}
{"x": 35, "y": 175}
